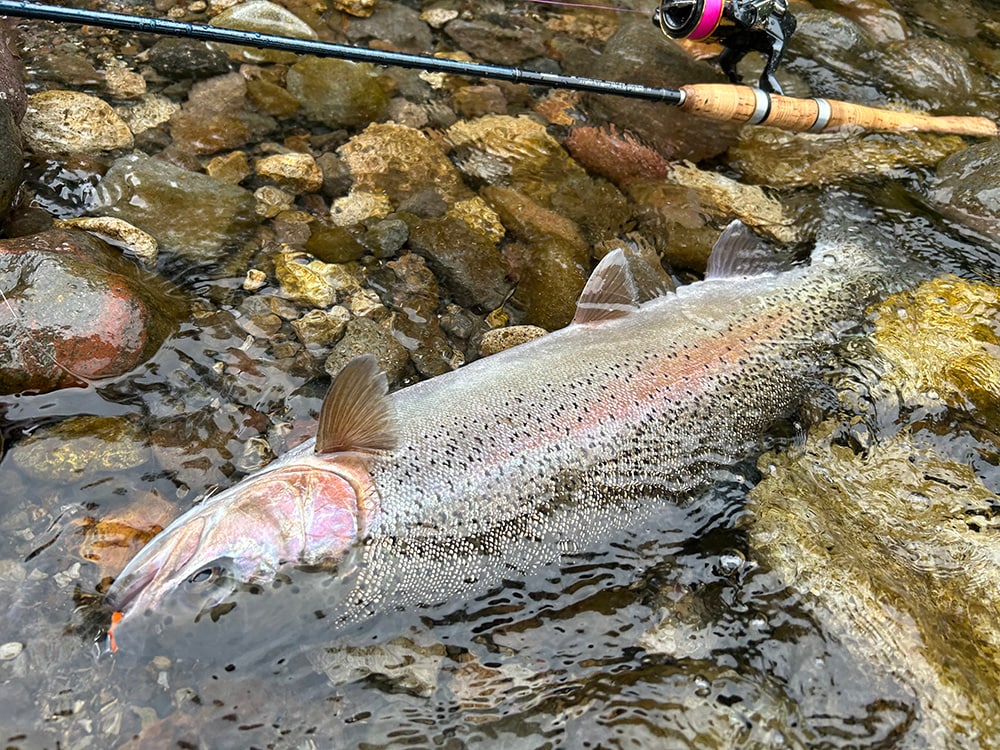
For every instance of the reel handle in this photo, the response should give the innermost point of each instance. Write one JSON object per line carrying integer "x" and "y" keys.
{"x": 756, "y": 107}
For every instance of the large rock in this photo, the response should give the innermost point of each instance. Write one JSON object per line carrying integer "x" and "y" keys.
{"x": 190, "y": 214}
{"x": 76, "y": 312}
{"x": 70, "y": 122}
{"x": 12, "y": 105}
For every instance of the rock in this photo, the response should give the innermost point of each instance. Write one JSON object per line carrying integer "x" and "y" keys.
{"x": 405, "y": 665}
{"x": 398, "y": 162}
{"x": 360, "y": 8}
{"x": 337, "y": 93}
{"x": 767, "y": 156}
{"x": 414, "y": 297}
{"x": 123, "y": 83}
{"x": 942, "y": 340}
{"x": 464, "y": 259}
{"x": 386, "y": 238}
{"x": 395, "y": 24}
{"x": 926, "y": 73}
{"x": 272, "y": 201}
{"x": 266, "y": 18}
{"x": 81, "y": 312}
{"x": 965, "y": 189}
{"x": 12, "y": 107}
{"x": 295, "y": 172}
{"x": 70, "y": 122}
{"x": 877, "y": 17}
{"x": 178, "y": 59}
{"x": 312, "y": 282}
{"x": 272, "y": 99}
{"x": 319, "y": 328}
{"x": 517, "y": 152}
{"x": 895, "y": 552}
{"x": 637, "y": 53}
{"x": 333, "y": 244}
{"x": 11, "y": 86}
{"x": 214, "y": 118}
{"x": 476, "y": 101}
{"x": 191, "y": 215}
{"x": 552, "y": 263}
{"x": 132, "y": 240}
{"x": 496, "y": 44}
{"x": 359, "y": 207}
{"x": 365, "y": 336}
{"x": 497, "y": 340}
{"x": 620, "y": 157}
{"x": 842, "y": 54}
{"x": 81, "y": 449}
{"x": 151, "y": 110}
{"x": 233, "y": 167}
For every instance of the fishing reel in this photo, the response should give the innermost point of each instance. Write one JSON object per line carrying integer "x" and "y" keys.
{"x": 741, "y": 26}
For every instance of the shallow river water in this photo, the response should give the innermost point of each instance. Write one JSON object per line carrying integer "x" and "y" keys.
{"x": 838, "y": 588}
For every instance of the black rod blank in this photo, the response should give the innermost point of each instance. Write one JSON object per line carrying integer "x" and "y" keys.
{"x": 126, "y": 22}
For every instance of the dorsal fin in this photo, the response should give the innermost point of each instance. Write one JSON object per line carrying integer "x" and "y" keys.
{"x": 739, "y": 252}
{"x": 357, "y": 413}
{"x": 610, "y": 292}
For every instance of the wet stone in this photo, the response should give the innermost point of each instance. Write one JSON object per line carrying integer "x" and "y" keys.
{"x": 394, "y": 23}
{"x": 267, "y": 18}
{"x": 358, "y": 207}
{"x": 272, "y": 99}
{"x": 496, "y": 44}
{"x": 637, "y": 53}
{"x": 965, "y": 189}
{"x": 272, "y": 201}
{"x": 80, "y": 449}
{"x": 69, "y": 122}
{"x": 177, "y": 59}
{"x": 82, "y": 312}
{"x": 320, "y": 328}
{"x": 476, "y": 101}
{"x": 386, "y": 238}
{"x": 497, "y": 340}
{"x": 190, "y": 214}
{"x": 365, "y": 336}
{"x": 339, "y": 94}
{"x": 297, "y": 173}
{"x": 214, "y": 117}
{"x": 766, "y": 156}
{"x": 334, "y": 244}
{"x": 151, "y": 110}
{"x": 397, "y": 161}
{"x": 233, "y": 167}
{"x": 133, "y": 241}
{"x": 122, "y": 83}
{"x": 551, "y": 263}
{"x": 927, "y": 73}
{"x": 312, "y": 282}
{"x": 466, "y": 261}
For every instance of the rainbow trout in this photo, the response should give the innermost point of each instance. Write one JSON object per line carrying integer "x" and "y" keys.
{"x": 452, "y": 485}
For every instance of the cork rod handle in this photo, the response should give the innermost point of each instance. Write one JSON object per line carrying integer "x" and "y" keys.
{"x": 746, "y": 104}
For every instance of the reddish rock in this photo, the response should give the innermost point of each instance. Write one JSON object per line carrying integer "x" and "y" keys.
{"x": 74, "y": 311}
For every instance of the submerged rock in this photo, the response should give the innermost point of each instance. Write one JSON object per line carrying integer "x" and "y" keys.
{"x": 897, "y": 553}
{"x": 943, "y": 341}
{"x": 80, "y": 312}
{"x": 365, "y": 336}
{"x": 80, "y": 449}
{"x": 190, "y": 214}
{"x": 339, "y": 94}
{"x": 13, "y": 103}
{"x": 264, "y": 17}
{"x": 766, "y": 156}
{"x": 966, "y": 188}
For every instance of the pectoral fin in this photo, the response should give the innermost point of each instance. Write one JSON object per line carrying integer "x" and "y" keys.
{"x": 357, "y": 413}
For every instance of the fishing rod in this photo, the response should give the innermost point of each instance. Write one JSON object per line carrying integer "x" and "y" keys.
{"x": 726, "y": 102}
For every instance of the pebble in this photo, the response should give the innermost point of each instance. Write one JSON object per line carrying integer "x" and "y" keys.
{"x": 70, "y": 122}
{"x": 272, "y": 201}
{"x": 297, "y": 173}
{"x": 132, "y": 240}
{"x": 151, "y": 110}
{"x": 10, "y": 650}
{"x": 364, "y": 336}
{"x": 319, "y": 328}
{"x": 267, "y": 18}
{"x": 123, "y": 83}
{"x": 312, "y": 282}
{"x": 497, "y": 340}
{"x": 233, "y": 167}
{"x": 359, "y": 207}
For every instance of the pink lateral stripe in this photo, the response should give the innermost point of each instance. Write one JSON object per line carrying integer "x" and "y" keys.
{"x": 709, "y": 20}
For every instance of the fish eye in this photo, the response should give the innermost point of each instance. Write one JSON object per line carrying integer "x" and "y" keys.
{"x": 206, "y": 574}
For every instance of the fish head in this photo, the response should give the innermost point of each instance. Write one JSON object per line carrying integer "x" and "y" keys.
{"x": 298, "y": 514}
